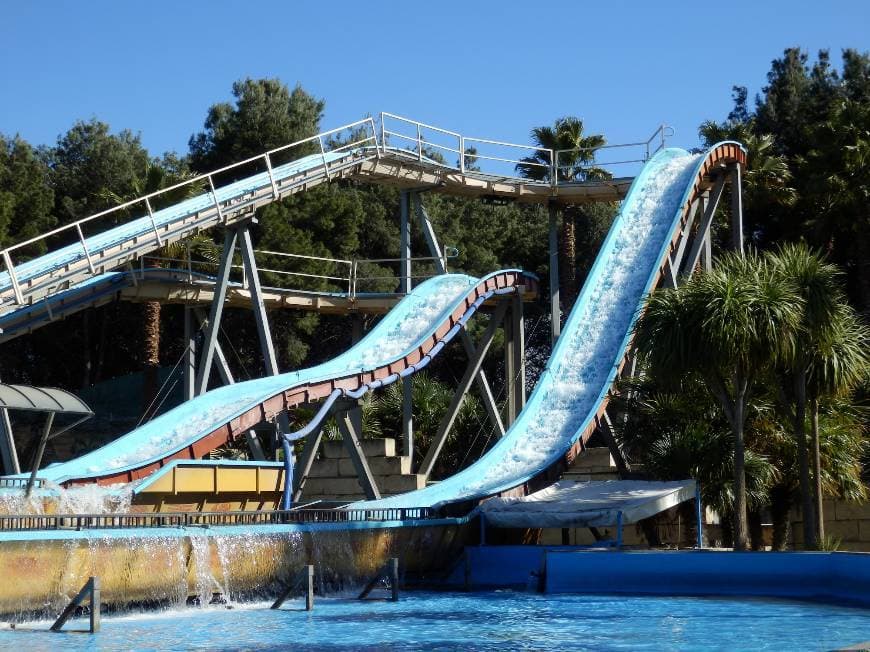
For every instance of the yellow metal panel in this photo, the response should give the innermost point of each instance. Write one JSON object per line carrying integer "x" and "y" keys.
{"x": 194, "y": 479}
{"x": 238, "y": 479}
{"x": 161, "y": 485}
{"x": 271, "y": 479}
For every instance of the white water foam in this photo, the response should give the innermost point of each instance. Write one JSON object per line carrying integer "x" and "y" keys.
{"x": 590, "y": 346}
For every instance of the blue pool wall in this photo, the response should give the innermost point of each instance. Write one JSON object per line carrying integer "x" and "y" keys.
{"x": 830, "y": 576}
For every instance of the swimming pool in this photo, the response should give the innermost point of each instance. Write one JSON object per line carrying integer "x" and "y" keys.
{"x": 477, "y": 621}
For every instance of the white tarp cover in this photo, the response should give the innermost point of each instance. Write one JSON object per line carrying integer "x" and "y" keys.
{"x": 587, "y": 504}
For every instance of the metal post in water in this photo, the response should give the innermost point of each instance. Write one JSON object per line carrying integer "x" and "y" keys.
{"x": 394, "y": 578}
{"x": 95, "y": 605}
{"x": 619, "y": 529}
{"x": 309, "y": 593}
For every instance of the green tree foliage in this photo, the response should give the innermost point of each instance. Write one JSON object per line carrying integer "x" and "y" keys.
{"x": 266, "y": 115}
{"x": 572, "y": 159}
{"x": 26, "y": 200}
{"x": 90, "y": 167}
{"x": 809, "y": 142}
{"x": 726, "y": 327}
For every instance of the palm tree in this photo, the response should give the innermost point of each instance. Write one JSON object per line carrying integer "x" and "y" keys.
{"x": 818, "y": 353}
{"x": 575, "y": 163}
{"x": 158, "y": 175}
{"x": 837, "y": 365}
{"x": 727, "y": 327}
{"x": 676, "y": 431}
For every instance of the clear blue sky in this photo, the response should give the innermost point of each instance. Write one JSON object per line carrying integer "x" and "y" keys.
{"x": 490, "y": 69}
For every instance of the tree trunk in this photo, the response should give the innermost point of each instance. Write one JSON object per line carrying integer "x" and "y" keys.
{"x": 817, "y": 469}
{"x": 151, "y": 352}
{"x": 807, "y": 511}
{"x": 568, "y": 260}
{"x": 780, "y": 504}
{"x": 727, "y": 525}
{"x": 740, "y": 524}
{"x": 756, "y": 532}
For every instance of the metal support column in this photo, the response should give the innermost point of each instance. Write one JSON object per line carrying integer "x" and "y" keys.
{"x": 305, "y": 462}
{"x": 435, "y": 251}
{"x": 514, "y": 361}
{"x": 405, "y": 288}
{"x": 605, "y": 427}
{"x": 708, "y": 208}
{"x": 8, "y": 451}
{"x": 259, "y": 308}
{"x": 737, "y": 208}
{"x": 40, "y": 451}
{"x": 217, "y": 308}
{"x": 468, "y": 377}
{"x": 189, "y": 388}
{"x": 555, "y": 313}
{"x": 518, "y": 382}
{"x": 351, "y": 438}
{"x": 226, "y": 376}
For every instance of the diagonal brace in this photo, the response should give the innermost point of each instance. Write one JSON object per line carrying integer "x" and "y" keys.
{"x": 471, "y": 372}
{"x": 694, "y": 255}
{"x": 434, "y": 251}
{"x": 351, "y": 439}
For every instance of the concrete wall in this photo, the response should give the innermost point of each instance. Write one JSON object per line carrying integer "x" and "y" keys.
{"x": 845, "y": 520}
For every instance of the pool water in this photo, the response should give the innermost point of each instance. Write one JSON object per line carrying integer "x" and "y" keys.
{"x": 478, "y": 621}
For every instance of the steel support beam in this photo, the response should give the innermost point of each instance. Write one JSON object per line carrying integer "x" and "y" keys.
{"x": 471, "y": 372}
{"x": 40, "y": 451}
{"x": 217, "y": 308}
{"x": 482, "y": 383}
{"x": 189, "y": 371}
{"x": 259, "y": 308}
{"x": 555, "y": 312}
{"x": 514, "y": 361}
{"x": 605, "y": 427}
{"x": 8, "y": 451}
{"x": 737, "y": 208}
{"x": 255, "y": 446}
{"x": 429, "y": 234}
{"x": 305, "y": 462}
{"x": 703, "y": 233}
{"x": 675, "y": 262}
{"x": 405, "y": 288}
{"x": 351, "y": 438}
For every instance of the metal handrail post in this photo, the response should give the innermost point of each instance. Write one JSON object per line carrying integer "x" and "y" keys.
{"x": 462, "y": 154}
{"x": 85, "y": 248}
{"x": 271, "y": 175}
{"x": 323, "y": 156}
{"x": 217, "y": 204}
{"x": 419, "y": 143}
{"x": 16, "y": 288}
{"x": 153, "y": 223}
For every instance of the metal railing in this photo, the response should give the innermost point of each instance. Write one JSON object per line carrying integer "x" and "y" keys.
{"x": 26, "y": 522}
{"x": 351, "y": 279}
{"x": 19, "y": 483}
{"x": 420, "y": 142}
{"x": 647, "y": 149}
{"x": 145, "y": 201}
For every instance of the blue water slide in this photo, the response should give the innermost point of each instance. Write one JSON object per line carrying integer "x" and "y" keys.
{"x": 587, "y": 354}
{"x": 404, "y": 329}
{"x": 143, "y": 227}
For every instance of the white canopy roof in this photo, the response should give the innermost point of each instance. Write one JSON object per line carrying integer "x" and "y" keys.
{"x": 587, "y": 504}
